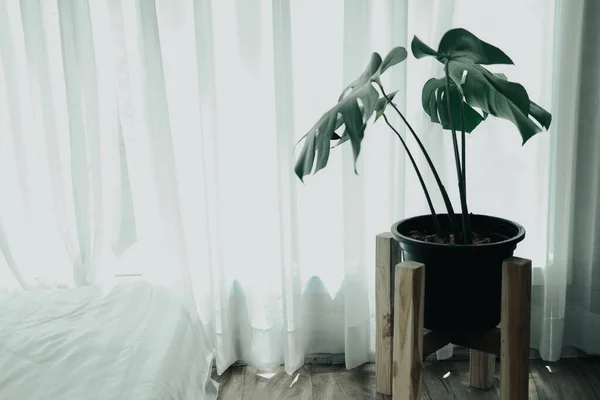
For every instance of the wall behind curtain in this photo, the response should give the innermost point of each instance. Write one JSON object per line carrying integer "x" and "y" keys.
{"x": 155, "y": 137}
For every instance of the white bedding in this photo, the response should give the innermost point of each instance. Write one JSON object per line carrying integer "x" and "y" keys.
{"x": 130, "y": 342}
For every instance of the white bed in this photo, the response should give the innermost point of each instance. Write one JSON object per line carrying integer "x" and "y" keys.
{"x": 129, "y": 342}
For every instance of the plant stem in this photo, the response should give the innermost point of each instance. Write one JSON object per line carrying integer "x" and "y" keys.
{"x": 436, "y": 222}
{"x": 464, "y": 168}
{"x": 466, "y": 232}
{"x": 448, "y": 204}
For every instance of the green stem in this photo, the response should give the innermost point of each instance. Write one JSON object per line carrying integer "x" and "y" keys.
{"x": 436, "y": 222}
{"x": 464, "y": 169}
{"x": 466, "y": 233}
{"x": 448, "y": 204}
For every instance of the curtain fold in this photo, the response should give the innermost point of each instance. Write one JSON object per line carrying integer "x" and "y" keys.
{"x": 549, "y": 295}
{"x": 81, "y": 90}
{"x": 155, "y": 138}
{"x": 284, "y": 114}
{"x": 580, "y": 311}
{"x": 357, "y": 28}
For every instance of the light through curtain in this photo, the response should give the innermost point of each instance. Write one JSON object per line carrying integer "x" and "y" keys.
{"x": 155, "y": 137}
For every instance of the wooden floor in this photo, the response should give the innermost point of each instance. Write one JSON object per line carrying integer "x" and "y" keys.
{"x": 577, "y": 379}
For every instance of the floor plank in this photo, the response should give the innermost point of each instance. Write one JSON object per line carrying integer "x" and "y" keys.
{"x": 453, "y": 382}
{"x": 231, "y": 383}
{"x": 576, "y": 378}
{"x": 249, "y": 383}
{"x": 335, "y": 383}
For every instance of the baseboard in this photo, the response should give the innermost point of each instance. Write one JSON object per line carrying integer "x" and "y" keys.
{"x": 459, "y": 354}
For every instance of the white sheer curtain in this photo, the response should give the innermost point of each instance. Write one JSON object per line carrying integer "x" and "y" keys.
{"x": 155, "y": 137}
{"x": 571, "y": 296}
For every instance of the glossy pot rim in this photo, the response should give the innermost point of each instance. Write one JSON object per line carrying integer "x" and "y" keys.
{"x": 518, "y": 237}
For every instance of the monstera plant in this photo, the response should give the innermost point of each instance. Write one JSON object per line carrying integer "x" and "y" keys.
{"x": 462, "y": 252}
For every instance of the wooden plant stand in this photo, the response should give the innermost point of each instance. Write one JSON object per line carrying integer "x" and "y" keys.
{"x": 402, "y": 343}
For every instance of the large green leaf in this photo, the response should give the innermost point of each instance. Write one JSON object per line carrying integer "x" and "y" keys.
{"x": 355, "y": 106}
{"x": 503, "y": 99}
{"x": 395, "y": 56}
{"x": 540, "y": 115}
{"x": 460, "y": 43}
{"x": 434, "y": 100}
{"x": 379, "y": 110}
{"x": 334, "y": 136}
{"x": 380, "y": 107}
{"x": 323, "y": 149}
{"x": 354, "y": 118}
{"x": 464, "y": 53}
{"x": 366, "y": 76}
{"x": 420, "y": 49}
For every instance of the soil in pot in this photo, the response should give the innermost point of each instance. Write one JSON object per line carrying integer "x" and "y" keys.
{"x": 463, "y": 283}
{"x": 433, "y": 238}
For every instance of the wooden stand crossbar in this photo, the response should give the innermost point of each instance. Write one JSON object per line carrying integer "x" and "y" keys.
{"x": 402, "y": 343}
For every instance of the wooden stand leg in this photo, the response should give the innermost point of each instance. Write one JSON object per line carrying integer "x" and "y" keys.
{"x": 482, "y": 368}
{"x": 388, "y": 255}
{"x": 408, "y": 330}
{"x": 515, "y": 330}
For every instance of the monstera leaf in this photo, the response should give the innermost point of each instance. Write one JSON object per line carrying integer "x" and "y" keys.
{"x": 492, "y": 93}
{"x": 460, "y": 43}
{"x": 434, "y": 99}
{"x": 355, "y": 106}
{"x": 379, "y": 108}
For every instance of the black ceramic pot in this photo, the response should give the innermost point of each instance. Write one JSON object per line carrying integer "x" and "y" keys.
{"x": 463, "y": 283}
